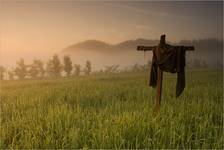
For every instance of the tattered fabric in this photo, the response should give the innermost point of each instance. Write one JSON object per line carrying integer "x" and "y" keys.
{"x": 172, "y": 59}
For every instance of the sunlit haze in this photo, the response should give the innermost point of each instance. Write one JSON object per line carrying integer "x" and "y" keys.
{"x": 38, "y": 29}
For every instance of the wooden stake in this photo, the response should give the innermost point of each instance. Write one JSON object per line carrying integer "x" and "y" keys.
{"x": 159, "y": 90}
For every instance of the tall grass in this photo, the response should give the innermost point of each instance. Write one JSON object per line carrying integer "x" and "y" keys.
{"x": 112, "y": 112}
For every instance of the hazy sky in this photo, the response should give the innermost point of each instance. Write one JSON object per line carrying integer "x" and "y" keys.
{"x": 36, "y": 28}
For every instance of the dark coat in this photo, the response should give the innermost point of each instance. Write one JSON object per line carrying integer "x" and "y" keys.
{"x": 171, "y": 59}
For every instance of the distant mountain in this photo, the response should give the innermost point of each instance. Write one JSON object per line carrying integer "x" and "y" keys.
{"x": 102, "y": 54}
{"x": 208, "y": 51}
{"x": 88, "y": 45}
{"x": 94, "y": 45}
{"x": 132, "y": 44}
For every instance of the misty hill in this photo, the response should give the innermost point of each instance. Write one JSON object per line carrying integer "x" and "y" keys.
{"x": 102, "y": 54}
{"x": 94, "y": 45}
{"x": 210, "y": 51}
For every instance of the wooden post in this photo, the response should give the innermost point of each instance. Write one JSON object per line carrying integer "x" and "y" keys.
{"x": 159, "y": 90}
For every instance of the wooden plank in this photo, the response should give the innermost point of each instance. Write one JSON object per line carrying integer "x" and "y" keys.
{"x": 189, "y": 48}
{"x": 150, "y": 48}
{"x": 146, "y": 48}
{"x": 159, "y": 90}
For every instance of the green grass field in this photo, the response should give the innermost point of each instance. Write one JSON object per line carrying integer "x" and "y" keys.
{"x": 114, "y": 111}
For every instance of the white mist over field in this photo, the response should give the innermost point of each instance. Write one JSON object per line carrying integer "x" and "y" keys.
{"x": 40, "y": 29}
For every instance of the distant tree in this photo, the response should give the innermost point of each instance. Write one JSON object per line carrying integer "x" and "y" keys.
{"x": 101, "y": 71}
{"x": 196, "y": 63}
{"x": 40, "y": 66}
{"x": 67, "y": 65}
{"x": 108, "y": 69}
{"x": 77, "y": 69}
{"x": 111, "y": 69}
{"x": 11, "y": 74}
{"x": 204, "y": 64}
{"x": 21, "y": 69}
{"x": 33, "y": 70}
{"x": 2, "y": 72}
{"x": 57, "y": 67}
{"x": 135, "y": 68}
{"x": 54, "y": 67}
{"x": 144, "y": 67}
{"x": 124, "y": 70}
{"x": 219, "y": 64}
{"x": 115, "y": 68}
{"x": 88, "y": 68}
{"x": 36, "y": 69}
{"x": 49, "y": 68}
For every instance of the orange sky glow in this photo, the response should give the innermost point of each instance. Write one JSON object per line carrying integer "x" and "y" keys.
{"x": 38, "y": 29}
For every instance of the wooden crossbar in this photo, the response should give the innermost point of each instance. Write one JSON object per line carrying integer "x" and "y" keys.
{"x": 150, "y": 48}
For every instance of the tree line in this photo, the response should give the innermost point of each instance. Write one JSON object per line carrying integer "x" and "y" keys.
{"x": 54, "y": 68}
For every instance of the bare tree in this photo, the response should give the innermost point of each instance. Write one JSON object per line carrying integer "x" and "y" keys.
{"x": 67, "y": 65}
{"x": 21, "y": 69}
{"x": 88, "y": 68}
{"x": 77, "y": 69}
